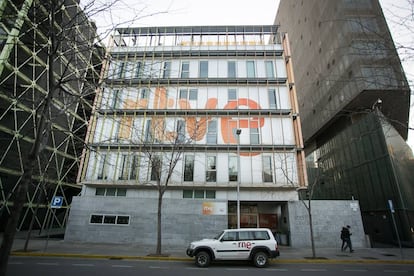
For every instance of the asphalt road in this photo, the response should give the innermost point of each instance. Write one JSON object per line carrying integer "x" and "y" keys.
{"x": 34, "y": 266}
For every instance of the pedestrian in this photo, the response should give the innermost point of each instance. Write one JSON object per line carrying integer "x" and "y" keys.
{"x": 346, "y": 239}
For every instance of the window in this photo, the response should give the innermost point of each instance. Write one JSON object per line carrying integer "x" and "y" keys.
{"x": 254, "y": 136}
{"x": 188, "y": 94}
{"x": 121, "y": 70}
{"x": 212, "y": 132}
{"x": 231, "y": 94}
{"x": 203, "y": 69}
{"x": 125, "y": 167}
{"x": 193, "y": 94}
{"x": 138, "y": 69}
{"x": 180, "y": 131}
{"x": 148, "y": 133}
{"x": 270, "y": 71}
{"x": 144, "y": 93}
{"x": 134, "y": 166}
{"x": 199, "y": 194}
{"x": 102, "y": 167}
{"x": 210, "y": 194}
{"x": 233, "y": 168}
{"x": 116, "y": 99}
{"x": 267, "y": 169}
{"x": 211, "y": 172}
{"x": 156, "y": 167}
{"x": 187, "y": 193}
{"x": 167, "y": 69}
{"x": 189, "y": 168}
{"x": 272, "y": 98}
{"x": 109, "y": 219}
{"x": 231, "y": 69}
{"x": 110, "y": 191}
{"x": 185, "y": 69}
{"x": 251, "y": 71}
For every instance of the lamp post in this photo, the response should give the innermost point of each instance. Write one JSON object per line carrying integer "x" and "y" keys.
{"x": 238, "y": 131}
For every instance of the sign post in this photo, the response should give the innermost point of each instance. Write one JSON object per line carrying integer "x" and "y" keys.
{"x": 391, "y": 206}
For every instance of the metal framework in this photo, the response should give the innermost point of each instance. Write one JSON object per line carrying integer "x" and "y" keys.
{"x": 26, "y": 55}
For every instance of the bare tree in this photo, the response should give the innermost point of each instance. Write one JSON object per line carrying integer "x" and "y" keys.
{"x": 163, "y": 146}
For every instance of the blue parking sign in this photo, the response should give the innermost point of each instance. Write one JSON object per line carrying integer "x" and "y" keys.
{"x": 57, "y": 202}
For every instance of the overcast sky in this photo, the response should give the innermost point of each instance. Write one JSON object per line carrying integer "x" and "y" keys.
{"x": 399, "y": 15}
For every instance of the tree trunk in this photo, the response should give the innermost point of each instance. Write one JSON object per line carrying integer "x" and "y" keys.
{"x": 159, "y": 220}
{"x": 311, "y": 231}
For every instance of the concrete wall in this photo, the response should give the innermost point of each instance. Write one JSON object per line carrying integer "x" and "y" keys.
{"x": 328, "y": 216}
{"x": 182, "y": 221}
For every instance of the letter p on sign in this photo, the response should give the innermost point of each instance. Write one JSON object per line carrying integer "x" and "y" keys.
{"x": 57, "y": 202}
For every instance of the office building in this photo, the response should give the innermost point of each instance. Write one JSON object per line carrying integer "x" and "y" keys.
{"x": 220, "y": 96}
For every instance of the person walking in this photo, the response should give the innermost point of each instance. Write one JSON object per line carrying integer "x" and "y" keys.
{"x": 346, "y": 239}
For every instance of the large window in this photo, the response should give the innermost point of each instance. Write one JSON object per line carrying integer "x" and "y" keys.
{"x": 211, "y": 170}
{"x": 189, "y": 168}
{"x": 139, "y": 68}
{"x": 231, "y": 69}
{"x": 185, "y": 69}
{"x": 212, "y": 132}
{"x": 120, "y": 73}
{"x": 125, "y": 167}
{"x": 231, "y": 94}
{"x": 180, "y": 131}
{"x": 270, "y": 70}
{"x": 254, "y": 136}
{"x": 167, "y": 69}
{"x": 251, "y": 70}
{"x": 102, "y": 167}
{"x": 267, "y": 169}
{"x": 116, "y": 99}
{"x": 203, "y": 69}
{"x": 272, "y": 98}
{"x": 156, "y": 168}
{"x": 233, "y": 168}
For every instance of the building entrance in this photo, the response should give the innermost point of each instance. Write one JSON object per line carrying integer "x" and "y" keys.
{"x": 255, "y": 214}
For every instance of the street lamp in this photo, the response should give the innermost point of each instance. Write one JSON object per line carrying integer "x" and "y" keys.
{"x": 238, "y": 131}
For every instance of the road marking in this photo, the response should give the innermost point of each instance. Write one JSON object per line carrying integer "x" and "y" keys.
{"x": 47, "y": 263}
{"x": 127, "y": 266}
{"x": 276, "y": 269}
{"x": 16, "y": 263}
{"x": 312, "y": 269}
{"x": 197, "y": 268}
{"x": 395, "y": 271}
{"x": 237, "y": 269}
{"x": 355, "y": 270}
{"x": 83, "y": 264}
{"x": 159, "y": 267}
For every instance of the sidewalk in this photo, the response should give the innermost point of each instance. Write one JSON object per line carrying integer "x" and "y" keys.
{"x": 60, "y": 248}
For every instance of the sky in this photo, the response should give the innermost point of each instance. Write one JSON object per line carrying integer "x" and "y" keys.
{"x": 399, "y": 15}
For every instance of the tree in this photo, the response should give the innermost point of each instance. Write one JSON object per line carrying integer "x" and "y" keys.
{"x": 163, "y": 147}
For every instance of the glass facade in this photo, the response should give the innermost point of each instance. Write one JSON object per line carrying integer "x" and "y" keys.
{"x": 369, "y": 162}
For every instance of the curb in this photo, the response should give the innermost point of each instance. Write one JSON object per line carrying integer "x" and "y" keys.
{"x": 186, "y": 259}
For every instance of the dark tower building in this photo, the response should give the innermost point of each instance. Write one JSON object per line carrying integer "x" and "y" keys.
{"x": 354, "y": 101}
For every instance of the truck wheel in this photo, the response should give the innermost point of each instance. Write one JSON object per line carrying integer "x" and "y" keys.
{"x": 260, "y": 259}
{"x": 202, "y": 259}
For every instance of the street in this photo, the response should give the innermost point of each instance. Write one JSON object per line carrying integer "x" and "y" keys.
{"x": 69, "y": 266}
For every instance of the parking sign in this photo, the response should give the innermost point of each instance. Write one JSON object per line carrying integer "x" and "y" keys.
{"x": 57, "y": 202}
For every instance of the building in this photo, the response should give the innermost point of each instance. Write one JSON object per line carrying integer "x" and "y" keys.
{"x": 349, "y": 71}
{"x": 223, "y": 97}
{"x": 25, "y": 59}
